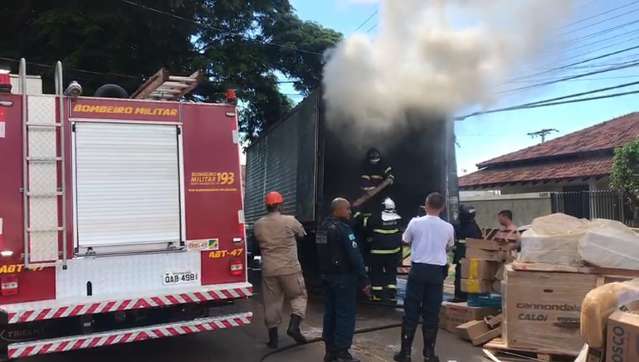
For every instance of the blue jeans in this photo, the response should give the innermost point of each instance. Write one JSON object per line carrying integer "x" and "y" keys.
{"x": 424, "y": 294}
{"x": 340, "y": 310}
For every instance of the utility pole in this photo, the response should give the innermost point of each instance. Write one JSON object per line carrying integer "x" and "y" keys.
{"x": 542, "y": 133}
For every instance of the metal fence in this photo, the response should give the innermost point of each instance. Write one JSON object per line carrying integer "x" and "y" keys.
{"x": 607, "y": 204}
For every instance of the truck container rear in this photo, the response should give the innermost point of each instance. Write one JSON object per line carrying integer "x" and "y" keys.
{"x": 311, "y": 159}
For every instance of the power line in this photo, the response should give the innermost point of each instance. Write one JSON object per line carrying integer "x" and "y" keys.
{"x": 558, "y": 100}
{"x": 604, "y": 31}
{"x": 601, "y": 14}
{"x": 568, "y": 66}
{"x": 581, "y": 75}
{"x": 367, "y": 20}
{"x": 175, "y": 16}
{"x": 586, "y": 45}
{"x": 76, "y": 69}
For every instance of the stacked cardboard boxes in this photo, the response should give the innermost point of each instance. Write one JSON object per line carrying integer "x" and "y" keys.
{"x": 482, "y": 265}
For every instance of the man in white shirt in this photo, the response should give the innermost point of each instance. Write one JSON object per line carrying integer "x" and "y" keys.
{"x": 430, "y": 238}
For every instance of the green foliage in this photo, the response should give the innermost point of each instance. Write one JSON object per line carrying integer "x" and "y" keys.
{"x": 625, "y": 175}
{"x": 625, "y": 169}
{"x": 241, "y": 44}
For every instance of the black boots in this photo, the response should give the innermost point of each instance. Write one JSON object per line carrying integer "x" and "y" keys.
{"x": 294, "y": 329}
{"x": 272, "y": 338}
{"x": 407, "y": 344}
{"x": 344, "y": 356}
{"x": 330, "y": 354}
{"x": 430, "y": 338}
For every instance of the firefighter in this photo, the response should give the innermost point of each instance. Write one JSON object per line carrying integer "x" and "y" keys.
{"x": 375, "y": 171}
{"x": 385, "y": 237}
{"x": 467, "y": 228}
{"x": 342, "y": 269}
{"x": 282, "y": 278}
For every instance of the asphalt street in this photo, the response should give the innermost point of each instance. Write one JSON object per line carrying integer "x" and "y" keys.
{"x": 247, "y": 344}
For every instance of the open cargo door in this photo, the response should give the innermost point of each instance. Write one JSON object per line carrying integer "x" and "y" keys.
{"x": 127, "y": 184}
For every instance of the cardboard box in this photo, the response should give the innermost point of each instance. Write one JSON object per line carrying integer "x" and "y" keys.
{"x": 472, "y": 268}
{"x": 453, "y": 314}
{"x": 622, "y": 344}
{"x": 476, "y": 286}
{"x": 542, "y": 310}
{"x": 485, "y": 244}
{"x": 489, "y": 255}
{"x": 463, "y": 313}
{"x": 478, "y": 332}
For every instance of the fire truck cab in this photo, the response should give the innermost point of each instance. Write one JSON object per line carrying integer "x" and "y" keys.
{"x": 120, "y": 219}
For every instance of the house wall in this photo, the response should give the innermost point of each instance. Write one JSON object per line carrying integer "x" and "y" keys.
{"x": 592, "y": 184}
{"x": 525, "y": 207}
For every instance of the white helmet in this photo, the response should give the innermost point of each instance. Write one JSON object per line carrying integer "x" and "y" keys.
{"x": 389, "y": 204}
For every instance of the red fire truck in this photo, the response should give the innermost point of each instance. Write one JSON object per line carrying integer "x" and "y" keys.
{"x": 120, "y": 219}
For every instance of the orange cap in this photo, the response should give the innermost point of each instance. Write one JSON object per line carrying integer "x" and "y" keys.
{"x": 273, "y": 198}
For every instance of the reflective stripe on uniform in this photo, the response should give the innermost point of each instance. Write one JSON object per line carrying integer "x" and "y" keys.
{"x": 368, "y": 188}
{"x": 386, "y": 232}
{"x": 391, "y": 286}
{"x": 377, "y": 177}
{"x": 377, "y": 288}
{"x": 388, "y": 169}
{"x": 366, "y": 177}
{"x": 384, "y": 252}
{"x": 365, "y": 223}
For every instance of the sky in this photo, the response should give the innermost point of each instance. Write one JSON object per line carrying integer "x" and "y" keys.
{"x": 594, "y": 27}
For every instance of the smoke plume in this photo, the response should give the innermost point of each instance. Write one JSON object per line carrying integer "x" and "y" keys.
{"x": 435, "y": 56}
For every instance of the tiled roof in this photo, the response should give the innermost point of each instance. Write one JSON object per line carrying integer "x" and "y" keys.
{"x": 603, "y": 136}
{"x": 547, "y": 171}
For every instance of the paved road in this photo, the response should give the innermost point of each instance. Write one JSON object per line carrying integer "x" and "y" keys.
{"x": 247, "y": 344}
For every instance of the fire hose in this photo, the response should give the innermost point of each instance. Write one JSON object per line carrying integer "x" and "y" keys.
{"x": 357, "y": 331}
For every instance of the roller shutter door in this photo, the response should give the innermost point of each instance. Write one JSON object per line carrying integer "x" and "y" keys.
{"x": 127, "y": 184}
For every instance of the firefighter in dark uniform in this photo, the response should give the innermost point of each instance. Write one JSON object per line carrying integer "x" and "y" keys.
{"x": 385, "y": 238}
{"x": 375, "y": 171}
{"x": 467, "y": 228}
{"x": 342, "y": 268}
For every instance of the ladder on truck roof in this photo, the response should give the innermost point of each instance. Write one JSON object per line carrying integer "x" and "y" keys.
{"x": 163, "y": 86}
{"x": 44, "y": 186}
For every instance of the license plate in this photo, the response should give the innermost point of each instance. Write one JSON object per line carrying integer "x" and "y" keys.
{"x": 173, "y": 278}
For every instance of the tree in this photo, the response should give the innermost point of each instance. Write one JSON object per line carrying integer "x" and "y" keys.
{"x": 101, "y": 37}
{"x": 625, "y": 175}
{"x": 246, "y": 44}
{"x": 243, "y": 44}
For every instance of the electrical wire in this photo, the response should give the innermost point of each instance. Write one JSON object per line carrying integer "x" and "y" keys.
{"x": 367, "y": 20}
{"x": 579, "y": 62}
{"x": 222, "y": 31}
{"x": 547, "y": 103}
{"x": 600, "y": 14}
{"x": 563, "y": 79}
{"x": 75, "y": 69}
{"x": 607, "y": 19}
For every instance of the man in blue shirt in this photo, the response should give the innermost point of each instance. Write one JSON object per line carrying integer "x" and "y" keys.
{"x": 342, "y": 268}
